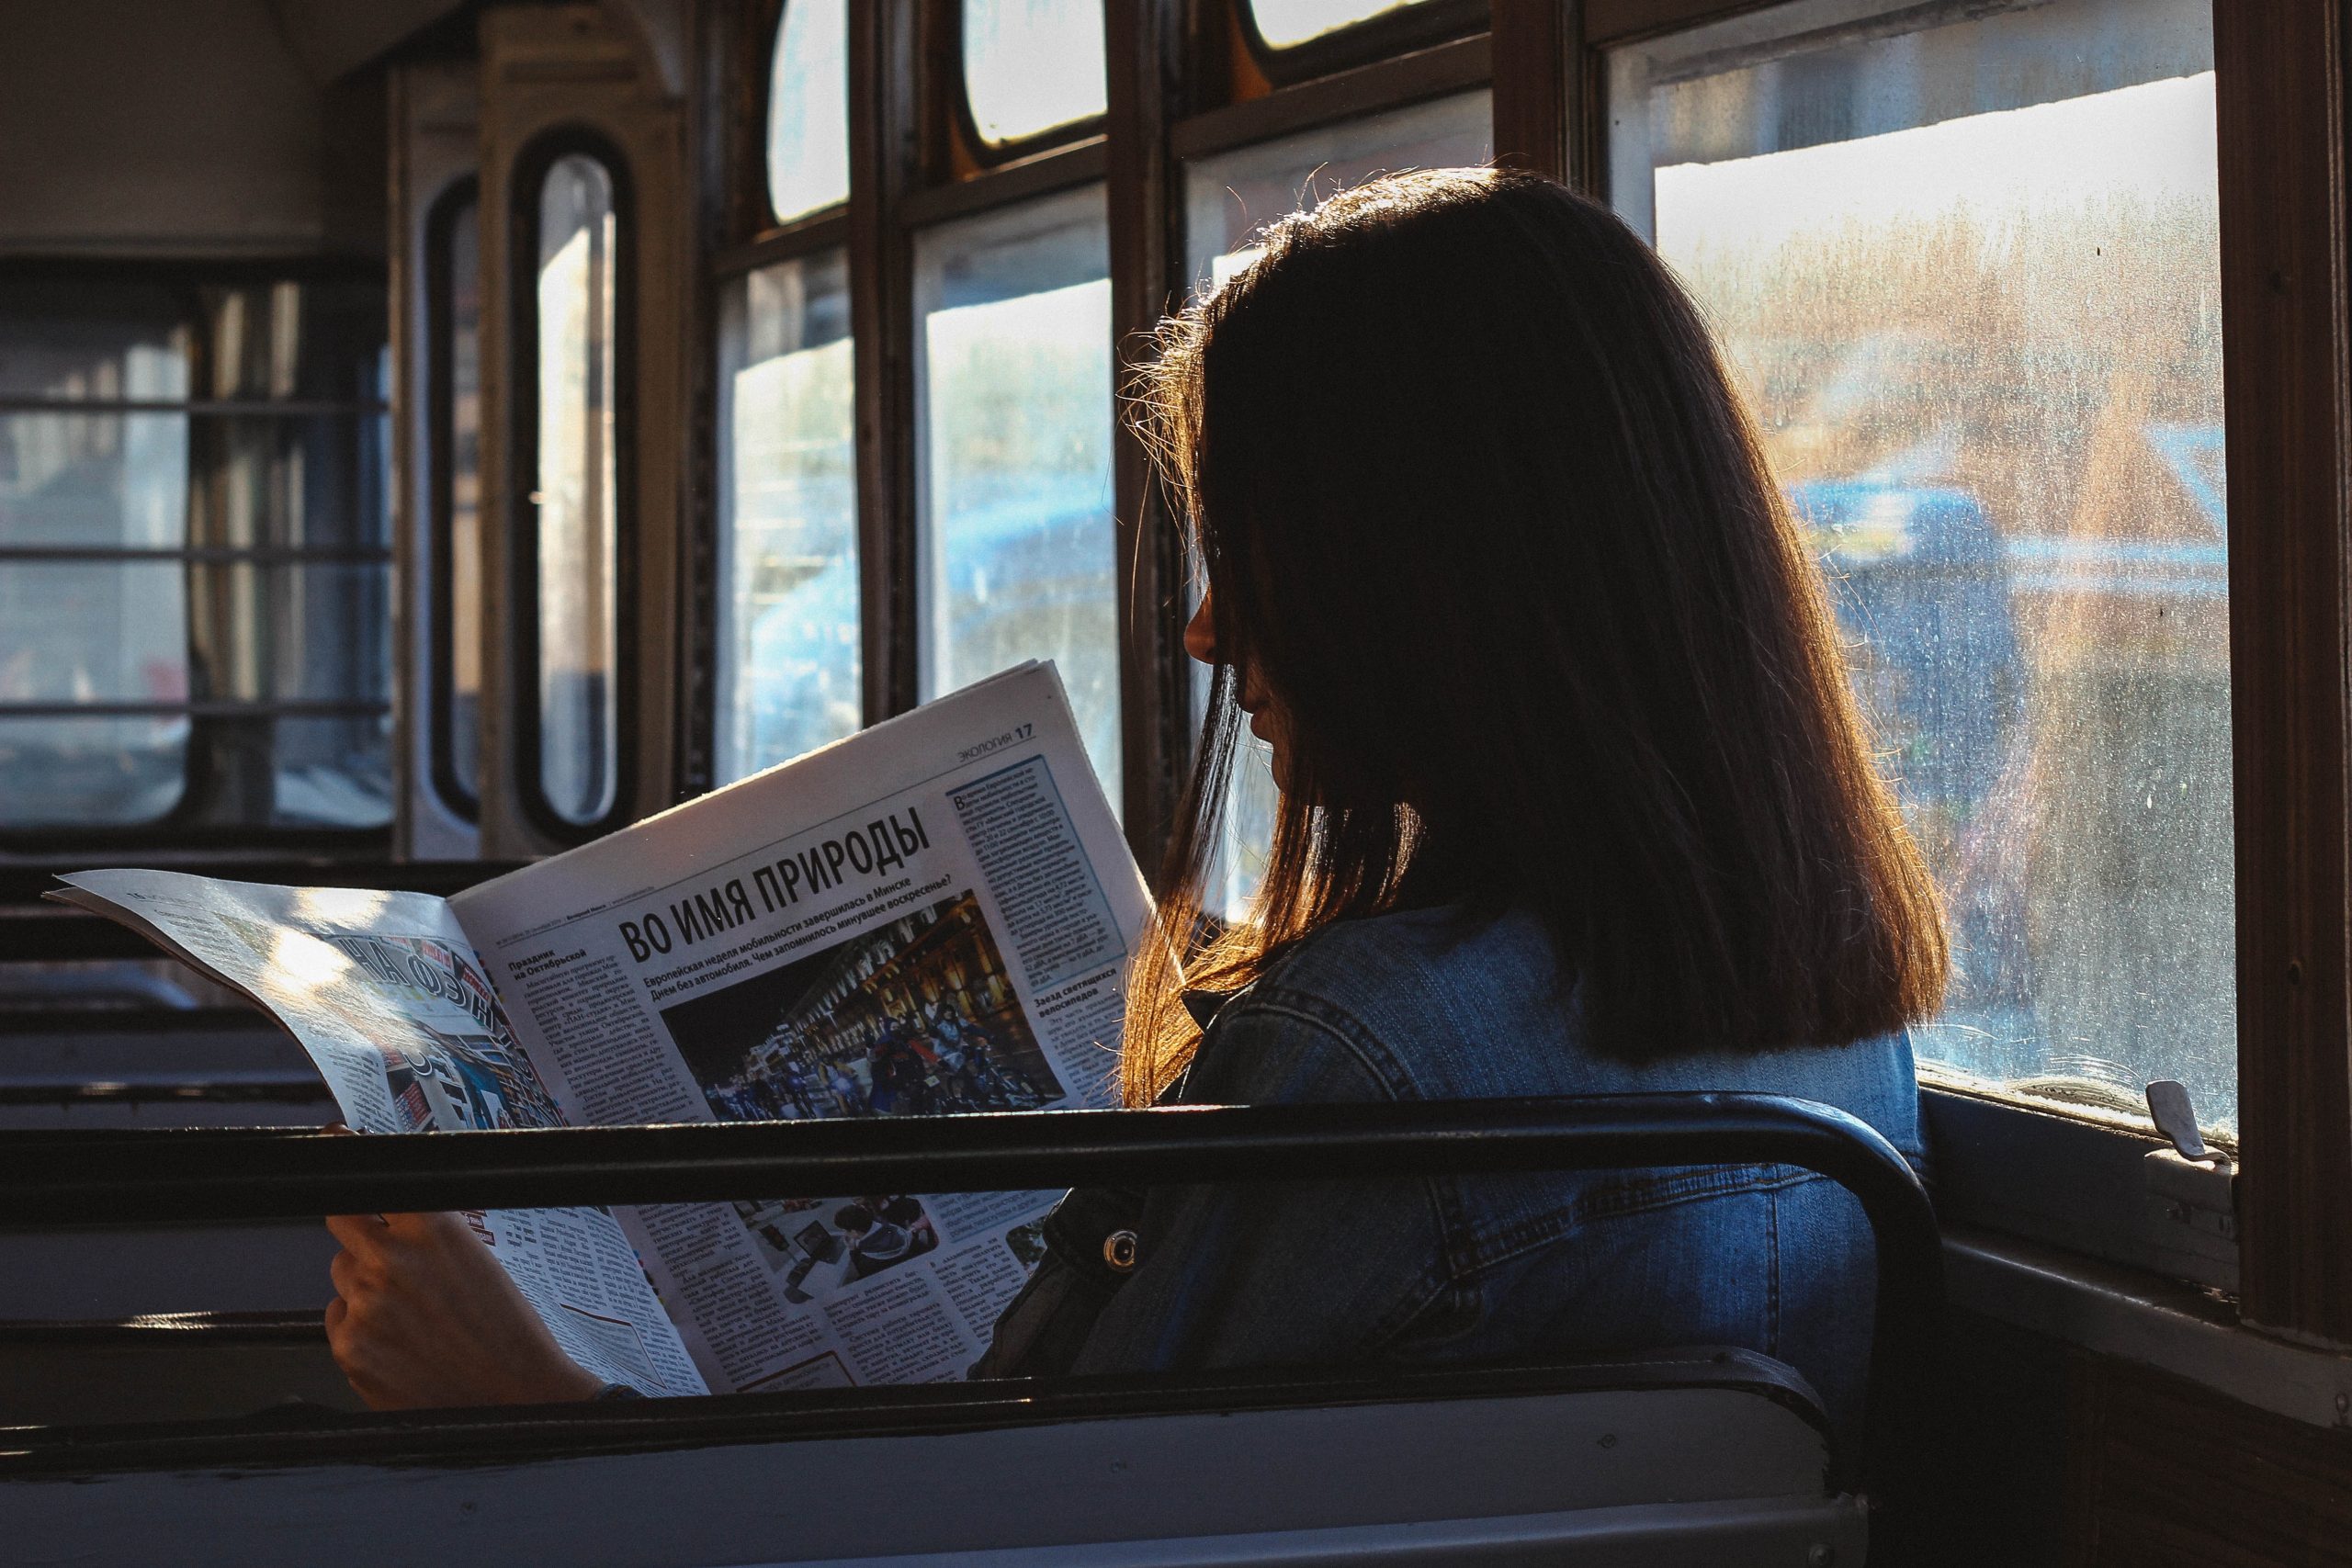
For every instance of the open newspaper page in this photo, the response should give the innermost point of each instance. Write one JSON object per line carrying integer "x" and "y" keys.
{"x": 387, "y": 997}
{"x": 935, "y": 915}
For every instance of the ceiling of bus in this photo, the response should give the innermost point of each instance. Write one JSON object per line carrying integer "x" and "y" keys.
{"x": 196, "y": 126}
{"x": 334, "y": 37}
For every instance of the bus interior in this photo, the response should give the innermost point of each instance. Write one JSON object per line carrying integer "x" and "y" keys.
{"x": 437, "y": 434}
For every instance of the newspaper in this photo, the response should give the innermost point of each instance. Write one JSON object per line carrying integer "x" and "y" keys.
{"x": 933, "y": 916}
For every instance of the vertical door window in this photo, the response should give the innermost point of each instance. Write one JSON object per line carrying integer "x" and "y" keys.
{"x": 1969, "y": 275}
{"x": 1032, "y": 65}
{"x": 577, "y": 491}
{"x": 195, "y": 623}
{"x": 809, "y": 109}
{"x": 1013, "y": 385}
{"x": 1226, "y": 200}
{"x": 788, "y": 561}
{"x": 453, "y": 315}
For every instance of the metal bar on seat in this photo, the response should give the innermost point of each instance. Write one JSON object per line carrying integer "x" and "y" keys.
{"x": 215, "y": 1175}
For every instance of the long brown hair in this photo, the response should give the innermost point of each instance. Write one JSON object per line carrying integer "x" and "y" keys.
{"x": 1482, "y": 510}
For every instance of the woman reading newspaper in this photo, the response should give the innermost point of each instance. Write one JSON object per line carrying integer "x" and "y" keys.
{"x": 1573, "y": 800}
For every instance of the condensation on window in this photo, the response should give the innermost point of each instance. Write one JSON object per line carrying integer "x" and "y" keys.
{"x": 579, "y": 546}
{"x": 1969, "y": 279}
{"x": 1228, "y": 199}
{"x": 1014, "y": 457}
{"x": 788, "y": 655}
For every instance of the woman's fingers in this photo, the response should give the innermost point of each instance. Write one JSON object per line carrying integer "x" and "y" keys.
{"x": 425, "y": 1315}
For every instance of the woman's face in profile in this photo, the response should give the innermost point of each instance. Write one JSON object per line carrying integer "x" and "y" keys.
{"x": 1266, "y": 718}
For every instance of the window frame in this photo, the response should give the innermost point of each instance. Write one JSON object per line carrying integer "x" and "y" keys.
{"x": 462, "y": 797}
{"x": 1189, "y": 80}
{"x": 956, "y": 103}
{"x": 760, "y": 34}
{"x": 183, "y": 831}
{"x": 2285, "y": 281}
{"x": 526, "y": 183}
{"x": 1380, "y": 36}
{"x": 913, "y": 163}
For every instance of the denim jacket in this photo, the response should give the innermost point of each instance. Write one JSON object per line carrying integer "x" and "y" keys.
{"x": 1421, "y": 1004}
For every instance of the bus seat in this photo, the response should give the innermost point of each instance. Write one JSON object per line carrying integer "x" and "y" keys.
{"x": 167, "y": 1366}
{"x": 1690, "y": 1457}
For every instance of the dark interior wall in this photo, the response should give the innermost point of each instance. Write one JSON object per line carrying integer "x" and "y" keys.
{"x": 182, "y": 128}
{"x": 2053, "y": 1457}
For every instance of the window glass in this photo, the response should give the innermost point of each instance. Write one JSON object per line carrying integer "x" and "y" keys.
{"x": 457, "y": 471}
{"x": 1226, "y": 200}
{"x": 788, "y": 600}
{"x": 809, "y": 108}
{"x": 69, "y": 343}
{"x": 1030, "y": 65}
{"x": 1014, "y": 391}
{"x": 1285, "y": 22}
{"x": 93, "y": 631}
{"x": 1969, "y": 277}
{"x": 94, "y": 479}
{"x": 579, "y": 547}
{"x": 194, "y": 554}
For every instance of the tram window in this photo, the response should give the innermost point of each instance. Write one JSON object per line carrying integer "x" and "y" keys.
{"x": 1032, "y": 65}
{"x": 1283, "y": 23}
{"x": 1013, "y": 388}
{"x": 1227, "y": 199}
{"x": 809, "y": 109}
{"x": 195, "y": 623}
{"x": 454, "y": 308}
{"x": 577, "y": 494}
{"x": 788, "y": 665}
{"x": 1969, "y": 275}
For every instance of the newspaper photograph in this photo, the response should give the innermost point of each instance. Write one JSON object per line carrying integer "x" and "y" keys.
{"x": 915, "y": 1018}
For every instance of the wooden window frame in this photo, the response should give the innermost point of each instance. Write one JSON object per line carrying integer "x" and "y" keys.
{"x": 952, "y": 103}
{"x": 1179, "y": 88}
{"x": 915, "y": 161}
{"x": 1175, "y": 93}
{"x": 2280, "y": 70}
{"x": 1383, "y": 36}
{"x": 533, "y": 165}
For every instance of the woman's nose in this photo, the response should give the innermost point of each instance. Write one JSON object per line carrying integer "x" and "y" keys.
{"x": 1200, "y": 633}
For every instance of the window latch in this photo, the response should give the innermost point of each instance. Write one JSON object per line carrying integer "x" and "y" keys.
{"x": 2192, "y": 1212}
{"x": 2176, "y": 1118}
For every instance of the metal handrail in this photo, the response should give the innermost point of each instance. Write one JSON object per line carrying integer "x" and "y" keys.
{"x": 108, "y": 1177}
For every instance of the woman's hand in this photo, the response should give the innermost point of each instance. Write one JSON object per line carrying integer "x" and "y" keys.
{"x": 424, "y": 1315}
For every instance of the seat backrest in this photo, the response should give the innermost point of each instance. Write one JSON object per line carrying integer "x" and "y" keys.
{"x": 1691, "y": 1457}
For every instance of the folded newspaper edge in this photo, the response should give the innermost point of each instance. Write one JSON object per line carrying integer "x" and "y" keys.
{"x": 936, "y": 914}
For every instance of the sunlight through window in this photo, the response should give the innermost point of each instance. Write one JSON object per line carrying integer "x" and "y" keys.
{"x": 1030, "y": 65}
{"x": 1283, "y": 23}
{"x": 809, "y": 109}
{"x": 1019, "y": 561}
{"x": 1970, "y": 277}
{"x": 788, "y": 602}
